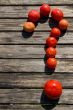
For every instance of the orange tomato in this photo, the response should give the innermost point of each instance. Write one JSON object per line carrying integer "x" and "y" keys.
{"x": 28, "y": 26}
{"x": 51, "y": 63}
{"x": 63, "y": 24}
{"x": 51, "y": 52}
{"x": 53, "y": 89}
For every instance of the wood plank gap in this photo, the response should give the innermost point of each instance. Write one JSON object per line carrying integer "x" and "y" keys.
{"x": 27, "y": 17}
{"x": 9, "y": 17}
{"x": 30, "y": 104}
{"x": 36, "y": 58}
{"x": 34, "y": 73}
{"x": 61, "y": 4}
{"x": 21, "y": 87}
{"x": 34, "y": 44}
{"x": 34, "y": 31}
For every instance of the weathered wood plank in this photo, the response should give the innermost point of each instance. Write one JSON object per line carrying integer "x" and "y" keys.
{"x": 29, "y": 80}
{"x": 17, "y": 25}
{"x": 34, "y": 107}
{"x": 27, "y": 2}
{"x": 33, "y": 51}
{"x": 22, "y": 11}
{"x": 34, "y": 65}
{"x": 36, "y": 38}
{"x": 32, "y": 96}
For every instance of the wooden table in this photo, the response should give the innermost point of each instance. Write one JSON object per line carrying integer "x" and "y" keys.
{"x": 22, "y": 58}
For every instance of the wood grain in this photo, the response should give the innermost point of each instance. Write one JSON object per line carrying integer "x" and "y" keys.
{"x": 35, "y": 38}
{"x": 33, "y": 107}
{"x": 17, "y": 25}
{"x": 33, "y": 51}
{"x": 32, "y": 80}
{"x": 22, "y": 11}
{"x": 22, "y": 67}
{"x": 34, "y": 65}
{"x": 32, "y": 96}
{"x": 28, "y": 2}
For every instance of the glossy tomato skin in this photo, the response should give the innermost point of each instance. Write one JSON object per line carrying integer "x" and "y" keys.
{"x": 28, "y": 26}
{"x": 50, "y": 52}
{"x": 51, "y": 42}
{"x": 33, "y": 16}
{"x": 57, "y": 14}
{"x": 45, "y": 10}
{"x": 51, "y": 63}
{"x": 55, "y": 32}
{"x": 63, "y": 24}
{"x": 53, "y": 89}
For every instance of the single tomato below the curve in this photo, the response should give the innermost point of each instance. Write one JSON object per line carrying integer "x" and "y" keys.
{"x": 53, "y": 89}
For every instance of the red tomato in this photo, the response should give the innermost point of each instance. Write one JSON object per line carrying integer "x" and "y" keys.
{"x": 28, "y": 26}
{"x": 63, "y": 24}
{"x": 51, "y": 52}
{"x": 55, "y": 32}
{"x": 57, "y": 14}
{"x": 51, "y": 42}
{"x": 51, "y": 63}
{"x": 45, "y": 10}
{"x": 33, "y": 16}
{"x": 53, "y": 89}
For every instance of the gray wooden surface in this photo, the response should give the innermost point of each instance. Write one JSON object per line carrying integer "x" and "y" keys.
{"x": 22, "y": 11}
{"x": 17, "y": 25}
{"x": 34, "y": 2}
{"x": 33, "y": 107}
{"x": 22, "y": 58}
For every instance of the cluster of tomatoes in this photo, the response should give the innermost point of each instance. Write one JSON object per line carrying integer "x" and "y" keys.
{"x": 52, "y": 88}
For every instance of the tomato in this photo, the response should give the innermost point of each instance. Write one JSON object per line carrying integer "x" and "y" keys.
{"x": 28, "y": 26}
{"x": 57, "y": 14}
{"x": 45, "y": 10}
{"x": 53, "y": 89}
{"x": 51, "y": 52}
{"x": 33, "y": 16}
{"x": 51, "y": 63}
{"x": 63, "y": 24}
{"x": 55, "y": 32}
{"x": 51, "y": 42}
